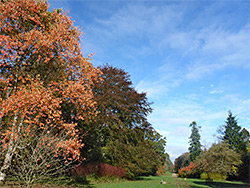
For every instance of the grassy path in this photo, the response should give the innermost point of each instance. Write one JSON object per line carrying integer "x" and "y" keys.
{"x": 180, "y": 183}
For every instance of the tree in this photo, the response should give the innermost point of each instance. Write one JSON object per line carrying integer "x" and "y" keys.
{"x": 231, "y": 132}
{"x": 238, "y": 140}
{"x": 219, "y": 159}
{"x": 39, "y": 157}
{"x": 180, "y": 161}
{"x": 41, "y": 70}
{"x": 120, "y": 134}
{"x": 119, "y": 105}
{"x": 234, "y": 134}
{"x": 244, "y": 169}
{"x": 194, "y": 140}
{"x": 169, "y": 165}
{"x": 128, "y": 149}
{"x": 157, "y": 142}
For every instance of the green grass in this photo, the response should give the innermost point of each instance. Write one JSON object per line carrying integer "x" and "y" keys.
{"x": 198, "y": 183}
{"x": 141, "y": 182}
{"x": 154, "y": 182}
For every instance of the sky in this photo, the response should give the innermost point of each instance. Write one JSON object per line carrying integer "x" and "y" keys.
{"x": 191, "y": 57}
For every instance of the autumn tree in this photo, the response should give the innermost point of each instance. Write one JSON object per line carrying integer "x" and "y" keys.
{"x": 194, "y": 141}
{"x": 41, "y": 70}
{"x": 39, "y": 157}
{"x": 119, "y": 105}
{"x": 121, "y": 135}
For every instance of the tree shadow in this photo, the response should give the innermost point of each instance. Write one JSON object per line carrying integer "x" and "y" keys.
{"x": 140, "y": 178}
{"x": 220, "y": 184}
{"x": 79, "y": 182}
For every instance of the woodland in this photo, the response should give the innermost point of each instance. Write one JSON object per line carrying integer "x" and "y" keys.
{"x": 226, "y": 160}
{"x": 61, "y": 116}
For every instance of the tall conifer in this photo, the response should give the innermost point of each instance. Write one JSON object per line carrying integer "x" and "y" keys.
{"x": 194, "y": 140}
{"x": 232, "y": 132}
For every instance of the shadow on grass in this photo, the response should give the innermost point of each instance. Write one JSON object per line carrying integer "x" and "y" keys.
{"x": 140, "y": 178}
{"x": 79, "y": 182}
{"x": 220, "y": 184}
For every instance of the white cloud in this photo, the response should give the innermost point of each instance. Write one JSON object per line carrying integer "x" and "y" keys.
{"x": 182, "y": 49}
{"x": 216, "y": 91}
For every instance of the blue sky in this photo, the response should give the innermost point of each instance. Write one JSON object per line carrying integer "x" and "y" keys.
{"x": 191, "y": 57}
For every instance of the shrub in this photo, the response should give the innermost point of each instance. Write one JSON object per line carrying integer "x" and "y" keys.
{"x": 106, "y": 170}
{"x": 160, "y": 170}
{"x": 98, "y": 169}
{"x": 85, "y": 170}
{"x": 186, "y": 171}
{"x": 213, "y": 176}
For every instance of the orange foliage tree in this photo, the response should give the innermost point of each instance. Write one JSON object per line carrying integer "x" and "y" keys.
{"x": 185, "y": 172}
{"x": 42, "y": 69}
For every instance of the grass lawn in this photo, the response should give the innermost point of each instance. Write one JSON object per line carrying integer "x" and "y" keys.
{"x": 154, "y": 182}
{"x": 197, "y": 183}
{"x": 142, "y": 182}
{"x": 145, "y": 182}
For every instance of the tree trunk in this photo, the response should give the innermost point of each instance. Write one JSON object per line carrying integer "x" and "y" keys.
{"x": 9, "y": 153}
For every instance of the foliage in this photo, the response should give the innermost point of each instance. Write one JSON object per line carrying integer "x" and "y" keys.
{"x": 238, "y": 140}
{"x": 41, "y": 70}
{"x": 128, "y": 149}
{"x": 39, "y": 157}
{"x": 168, "y": 164}
{"x": 98, "y": 169}
{"x": 157, "y": 142}
{"x": 185, "y": 172}
{"x": 160, "y": 171}
{"x": 234, "y": 134}
{"x": 120, "y": 134}
{"x": 218, "y": 159}
{"x": 194, "y": 141}
{"x": 244, "y": 172}
{"x": 213, "y": 176}
{"x": 181, "y": 161}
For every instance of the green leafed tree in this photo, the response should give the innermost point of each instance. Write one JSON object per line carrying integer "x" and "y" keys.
{"x": 194, "y": 141}
{"x": 219, "y": 159}
{"x": 238, "y": 140}
{"x": 169, "y": 165}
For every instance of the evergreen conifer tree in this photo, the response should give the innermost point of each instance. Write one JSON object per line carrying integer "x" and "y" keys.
{"x": 194, "y": 140}
{"x": 232, "y": 133}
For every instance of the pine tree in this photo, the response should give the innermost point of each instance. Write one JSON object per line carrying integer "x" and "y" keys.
{"x": 232, "y": 132}
{"x": 194, "y": 140}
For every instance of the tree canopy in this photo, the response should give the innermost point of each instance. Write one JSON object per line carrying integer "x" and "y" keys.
{"x": 120, "y": 134}
{"x": 219, "y": 159}
{"x": 41, "y": 69}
